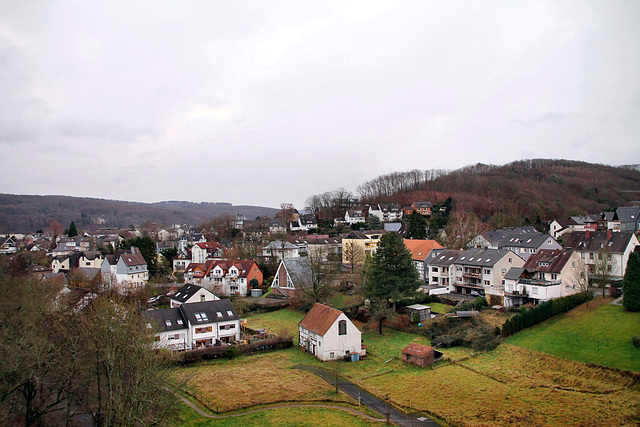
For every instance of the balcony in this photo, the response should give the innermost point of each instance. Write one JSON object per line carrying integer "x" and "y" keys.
{"x": 471, "y": 274}
{"x": 539, "y": 282}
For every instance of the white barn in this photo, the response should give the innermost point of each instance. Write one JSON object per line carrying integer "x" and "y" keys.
{"x": 328, "y": 334}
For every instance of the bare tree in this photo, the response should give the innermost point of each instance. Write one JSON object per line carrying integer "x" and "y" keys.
{"x": 315, "y": 274}
{"x": 602, "y": 269}
{"x": 353, "y": 254}
{"x": 463, "y": 227}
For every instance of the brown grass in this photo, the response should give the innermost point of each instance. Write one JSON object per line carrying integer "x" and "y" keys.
{"x": 255, "y": 380}
{"x": 515, "y": 386}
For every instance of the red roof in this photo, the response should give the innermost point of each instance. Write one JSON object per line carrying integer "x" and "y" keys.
{"x": 320, "y": 318}
{"x": 417, "y": 350}
{"x": 420, "y": 249}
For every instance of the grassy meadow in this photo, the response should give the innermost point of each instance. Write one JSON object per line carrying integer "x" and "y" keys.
{"x": 515, "y": 384}
{"x": 599, "y": 333}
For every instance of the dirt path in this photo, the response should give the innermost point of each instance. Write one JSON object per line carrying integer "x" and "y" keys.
{"x": 341, "y": 408}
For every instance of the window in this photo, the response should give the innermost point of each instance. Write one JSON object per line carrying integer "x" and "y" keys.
{"x": 202, "y": 298}
{"x": 331, "y": 355}
{"x": 230, "y": 313}
{"x": 204, "y": 330}
{"x": 504, "y": 271}
{"x": 167, "y": 322}
{"x": 486, "y": 271}
{"x": 342, "y": 327}
{"x": 179, "y": 321}
{"x": 219, "y": 314}
{"x": 534, "y": 290}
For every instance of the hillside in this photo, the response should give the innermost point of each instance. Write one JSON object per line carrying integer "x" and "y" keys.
{"x": 22, "y": 213}
{"x": 506, "y": 195}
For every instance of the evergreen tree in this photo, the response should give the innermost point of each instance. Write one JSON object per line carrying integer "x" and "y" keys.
{"x": 417, "y": 226}
{"x": 391, "y": 274}
{"x": 147, "y": 248}
{"x": 631, "y": 284}
{"x": 73, "y": 231}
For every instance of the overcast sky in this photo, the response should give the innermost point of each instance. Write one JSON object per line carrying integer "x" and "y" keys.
{"x": 268, "y": 102}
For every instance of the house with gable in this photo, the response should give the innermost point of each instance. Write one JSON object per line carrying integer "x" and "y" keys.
{"x": 195, "y": 325}
{"x": 386, "y": 212}
{"x": 74, "y": 260}
{"x": 355, "y": 216}
{"x": 423, "y": 208}
{"x": 125, "y": 271}
{"x": 328, "y": 334}
{"x": 440, "y": 268}
{"x": 189, "y": 294}
{"x": 224, "y": 277}
{"x": 592, "y": 245}
{"x": 8, "y": 245}
{"x": 202, "y": 251}
{"x": 546, "y": 275}
{"x": 523, "y": 241}
{"x": 421, "y": 253}
{"x": 629, "y": 218}
{"x": 290, "y": 277}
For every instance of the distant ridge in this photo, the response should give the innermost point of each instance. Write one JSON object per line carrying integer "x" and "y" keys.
{"x": 534, "y": 191}
{"x": 27, "y": 213}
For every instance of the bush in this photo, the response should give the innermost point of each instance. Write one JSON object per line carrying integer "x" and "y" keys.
{"x": 231, "y": 352}
{"x": 475, "y": 305}
{"x": 636, "y": 341}
{"x": 474, "y": 333}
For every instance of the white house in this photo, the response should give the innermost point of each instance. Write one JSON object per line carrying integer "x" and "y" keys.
{"x": 200, "y": 252}
{"x": 125, "y": 271}
{"x": 189, "y": 294}
{"x": 592, "y": 245}
{"x": 281, "y": 249}
{"x": 328, "y": 334}
{"x": 546, "y": 275}
{"x": 523, "y": 241}
{"x": 195, "y": 325}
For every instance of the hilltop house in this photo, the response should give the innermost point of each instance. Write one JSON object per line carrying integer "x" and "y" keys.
{"x": 328, "y": 334}
{"x": 195, "y": 325}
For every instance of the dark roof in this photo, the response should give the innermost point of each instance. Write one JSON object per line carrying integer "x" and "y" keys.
{"x": 445, "y": 258}
{"x": 185, "y": 292}
{"x": 215, "y": 311}
{"x": 548, "y": 261}
{"x": 514, "y": 273}
{"x": 418, "y": 350}
{"x": 482, "y": 257}
{"x": 320, "y": 318}
{"x": 167, "y": 319}
{"x": 131, "y": 259}
{"x": 628, "y": 214}
{"x": 595, "y": 241}
{"x": 525, "y": 237}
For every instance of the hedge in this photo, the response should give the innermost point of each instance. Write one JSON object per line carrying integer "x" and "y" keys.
{"x": 544, "y": 311}
{"x": 213, "y": 352}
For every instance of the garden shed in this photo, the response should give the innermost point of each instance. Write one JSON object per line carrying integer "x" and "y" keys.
{"x": 420, "y": 355}
{"x": 423, "y": 312}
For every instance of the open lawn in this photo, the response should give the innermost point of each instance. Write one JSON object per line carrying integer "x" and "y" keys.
{"x": 281, "y": 322}
{"x": 600, "y": 334}
{"x": 276, "y": 417}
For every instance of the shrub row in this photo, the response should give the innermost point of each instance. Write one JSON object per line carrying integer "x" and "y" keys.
{"x": 474, "y": 333}
{"x": 231, "y": 351}
{"x": 544, "y": 311}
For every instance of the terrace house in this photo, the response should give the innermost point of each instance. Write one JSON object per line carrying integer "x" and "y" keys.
{"x": 523, "y": 241}
{"x": 195, "y": 325}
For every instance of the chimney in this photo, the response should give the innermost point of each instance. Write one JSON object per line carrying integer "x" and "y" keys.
{"x": 608, "y": 234}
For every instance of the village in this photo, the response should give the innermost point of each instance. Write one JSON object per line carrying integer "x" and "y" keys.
{"x": 202, "y": 296}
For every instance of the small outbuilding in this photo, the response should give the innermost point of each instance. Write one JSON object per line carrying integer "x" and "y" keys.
{"x": 420, "y": 355}
{"x": 422, "y": 311}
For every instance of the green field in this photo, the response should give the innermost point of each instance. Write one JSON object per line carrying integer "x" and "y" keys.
{"x": 600, "y": 334}
{"x": 275, "y": 417}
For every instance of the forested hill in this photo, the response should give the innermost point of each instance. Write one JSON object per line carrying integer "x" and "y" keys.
{"x": 526, "y": 190}
{"x": 22, "y": 213}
